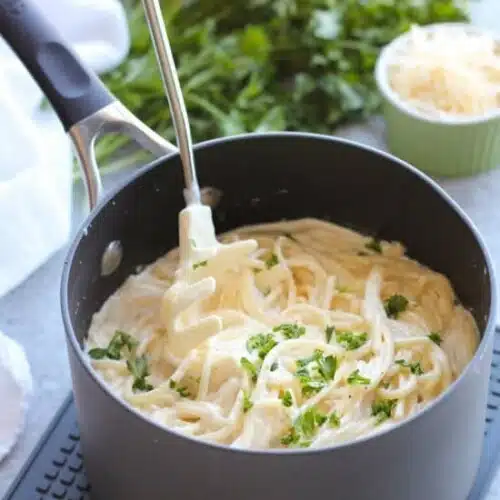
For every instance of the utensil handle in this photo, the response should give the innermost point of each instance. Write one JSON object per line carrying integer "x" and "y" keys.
{"x": 168, "y": 71}
{"x": 74, "y": 91}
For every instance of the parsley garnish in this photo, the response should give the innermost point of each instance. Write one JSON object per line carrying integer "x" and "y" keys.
{"x": 395, "y": 305}
{"x": 374, "y": 244}
{"x": 329, "y": 332}
{"x": 415, "y": 368}
{"x": 289, "y": 236}
{"x": 114, "y": 350}
{"x": 315, "y": 372}
{"x": 291, "y": 438}
{"x": 290, "y": 330}
{"x": 382, "y": 409}
{"x": 262, "y": 343}
{"x": 250, "y": 368}
{"x": 304, "y": 428}
{"x": 286, "y": 398}
{"x": 202, "y": 263}
{"x": 334, "y": 420}
{"x": 247, "y": 402}
{"x": 274, "y": 366}
{"x": 356, "y": 379}
{"x": 182, "y": 391}
{"x": 138, "y": 367}
{"x": 98, "y": 353}
{"x": 271, "y": 261}
{"x": 118, "y": 342}
{"x": 350, "y": 340}
{"x": 436, "y": 338}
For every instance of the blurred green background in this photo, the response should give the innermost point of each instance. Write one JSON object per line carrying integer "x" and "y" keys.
{"x": 262, "y": 65}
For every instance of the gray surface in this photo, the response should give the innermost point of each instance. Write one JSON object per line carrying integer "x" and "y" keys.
{"x": 31, "y": 313}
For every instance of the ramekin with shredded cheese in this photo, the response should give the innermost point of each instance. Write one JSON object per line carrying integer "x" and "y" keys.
{"x": 441, "y": 90}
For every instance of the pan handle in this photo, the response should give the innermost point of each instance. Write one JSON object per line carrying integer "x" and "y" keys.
{"x": 82, "y": 102}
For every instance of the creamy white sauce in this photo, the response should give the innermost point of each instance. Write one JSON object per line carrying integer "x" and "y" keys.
{"x": 208, "y": 321}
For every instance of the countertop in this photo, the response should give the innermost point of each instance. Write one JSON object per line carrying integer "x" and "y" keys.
{"x": 31, "y": 313}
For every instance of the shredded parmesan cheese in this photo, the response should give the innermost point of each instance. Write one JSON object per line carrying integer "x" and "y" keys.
{"x": 448, "y": 70}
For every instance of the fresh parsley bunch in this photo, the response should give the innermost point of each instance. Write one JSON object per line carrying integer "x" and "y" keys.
{"x": 262, "y": 65}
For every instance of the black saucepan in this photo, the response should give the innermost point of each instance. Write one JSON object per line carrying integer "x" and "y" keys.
{"x": 433, "y": 456}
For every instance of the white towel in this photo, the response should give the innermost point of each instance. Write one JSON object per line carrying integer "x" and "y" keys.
{"x": 15, "y": 388}
{"x": 35, "y": 154}
{"x": 36, "y": 175}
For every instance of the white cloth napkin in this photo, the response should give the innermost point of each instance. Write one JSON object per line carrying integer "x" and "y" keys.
{"x": 35, "y": 154}
{"x": 36, "y": 175}
{"x": 15, "y": 388}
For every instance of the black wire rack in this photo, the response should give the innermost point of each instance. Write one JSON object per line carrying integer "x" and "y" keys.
{"x": 56, "y": 468}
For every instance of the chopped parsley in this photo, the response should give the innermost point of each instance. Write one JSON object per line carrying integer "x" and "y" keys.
{"x": 252, "y": 370}
{"x": 334, "y": 420}
{"x": 274, "y": 366}
{"x": 290, "y": 330}
{"x": 114, "y": 349}
{"x": 304, "y": 428}
{"x": 289, "y": 236}
{"x": 291, "y": 438}
{"x": 395, "y": 305}
{"x": 286, "y": 398}
{"x": 415, "y": 368}
{"x": 374, "y": 245}
{"x": 315, "y": 372}
{"x": 98, "y": 353}
{"x": 202, "y": 263}
{"x": 382, "y": 409}
{"x": 271, "y": 261}
{"x": 329, "y": 330}
{"x": 356, "y": 379}
{"x": 138, "y": 367}
{"x": 350, "y": 340}
{"x": 182, "y": 391}
{"x": 247, "y": 402}
{"x": 436, "y": 338}
{"x": 262, "y": 343}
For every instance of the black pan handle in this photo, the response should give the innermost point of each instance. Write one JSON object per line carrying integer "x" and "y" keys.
{"x": 84, "y": 105}
{"x": 74, "y": 91}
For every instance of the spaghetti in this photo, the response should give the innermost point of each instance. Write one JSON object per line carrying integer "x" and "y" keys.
{"x": 291, "y": 334}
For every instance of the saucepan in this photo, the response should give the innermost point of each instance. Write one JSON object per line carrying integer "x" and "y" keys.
{"x": 258, "y": 178}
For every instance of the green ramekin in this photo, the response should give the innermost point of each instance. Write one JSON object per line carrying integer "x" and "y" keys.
{"x": 442, "y": 147}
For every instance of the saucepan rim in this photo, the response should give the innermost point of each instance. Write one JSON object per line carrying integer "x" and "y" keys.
{"x": 80, "y": 235}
